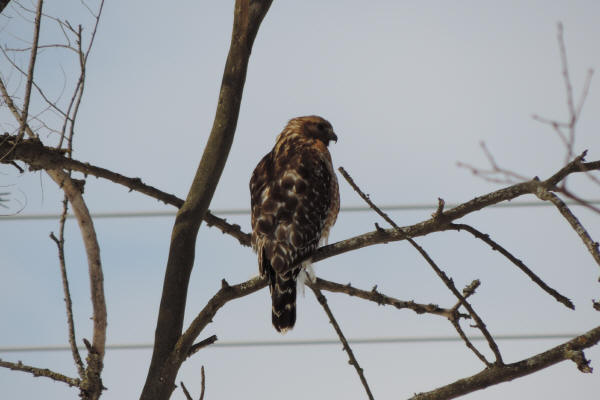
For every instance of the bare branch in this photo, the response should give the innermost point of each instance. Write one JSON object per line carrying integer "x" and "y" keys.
{"x": 584, "y": 92}
{"x": 323, "y": 301}
{"x": 495, "y": 246}
{"x": 468, "y": 291}
{"x": 202, "y": 344}
{"x": 188, "y": 396}
{"x": 578, "y": 200}
{"x": 35, "y": 85}
{"x": 60, "y": 244}
{"x": 36, "y": 36}
{"x": 202, "y": 383}
{"x": 92, "y": 385}
{"x": 381, "y": 299}
{"x": 38, "y": 156}
{"x": 489, "y": 175}
{"x": 86, "y": 226}
{"x": 160, "y": 381}
{"x": 591, "y": 245}
{"x": 55, "y": 376}
{"x": 503, "y": 373}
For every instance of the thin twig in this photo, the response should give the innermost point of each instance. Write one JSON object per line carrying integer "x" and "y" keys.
{"x": 188, "y": 396}
{"x": 60, "y": 243}
{"x": 55, "y": 376}
{"x": 591, "y": 245}
{"x": 584, "y": 92}
{"x": 36, "y": 36}
{"x": 202, "y": 344}
{"x": 468, "y": 291}
{"x": 579, "y": 200}
{"x": 323, "y": 301}
{"x": 202, "y": 383}
{"x": 569, "y": 90}
{"x": 381, "y": 299}
{"x": 35, "y": 85}
{"x": 495, "y": 246}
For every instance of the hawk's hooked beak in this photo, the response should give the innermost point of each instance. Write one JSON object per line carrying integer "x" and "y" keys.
{"x": 332, "y": 136}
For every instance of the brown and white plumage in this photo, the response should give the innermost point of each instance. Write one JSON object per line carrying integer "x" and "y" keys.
{"x": 295, "y": 202}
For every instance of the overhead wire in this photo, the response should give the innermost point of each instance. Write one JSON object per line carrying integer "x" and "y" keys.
{"x": 305, "y": 342}
{"x": 246, "y": 211}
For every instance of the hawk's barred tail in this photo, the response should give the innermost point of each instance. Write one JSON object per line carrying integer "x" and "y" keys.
{"x": 283, "y": 295}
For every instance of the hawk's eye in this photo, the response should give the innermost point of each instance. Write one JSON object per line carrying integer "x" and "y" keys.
{"x": 321, "y": 126}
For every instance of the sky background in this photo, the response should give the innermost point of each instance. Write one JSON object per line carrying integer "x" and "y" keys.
{"x": 411, "y": 89}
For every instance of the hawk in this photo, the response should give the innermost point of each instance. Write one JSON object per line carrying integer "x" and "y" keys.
{"x": 295, "y": 201}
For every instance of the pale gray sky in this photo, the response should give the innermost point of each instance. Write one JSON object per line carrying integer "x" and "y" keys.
{"x": 410, "y": 88}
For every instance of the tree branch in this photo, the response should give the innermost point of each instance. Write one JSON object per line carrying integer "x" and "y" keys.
{"x": 442, "y": 221}
{"x": 92, "y": 384}
{"x": 495, "y": 246}
{"x": 160, "y": 381}
{"x": 382, "y": 299}
{"x": 570, "y": 350}
{"x": 33, "y": 56}
{"x": 60, "y": 244}
{"x": 37, "y": 156}
{"x": 591, "y": 245}
{"x": 55, "y": 376}
{"x": 352, "y": 360}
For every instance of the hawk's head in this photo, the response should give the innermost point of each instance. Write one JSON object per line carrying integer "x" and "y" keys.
{"x": 314, "y": 127}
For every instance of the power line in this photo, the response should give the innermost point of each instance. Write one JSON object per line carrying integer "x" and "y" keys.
{"x": 245, "y": 211}
{"x": 305, "y": 342}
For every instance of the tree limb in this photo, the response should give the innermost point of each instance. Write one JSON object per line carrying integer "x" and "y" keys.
{"x": 381, "y": 299}
{"x": 160, "y": 381}
{"x": 91, "y": 386}
{"x": 55, "y": 376}
{"x": 33, "y": 56}
{"x": 352, "y": 360}
{"x": 570, "y": 350}
{"x": 495, "y": 246}
{"x": 37, "y": 156}
{"x": 60, "y": 244}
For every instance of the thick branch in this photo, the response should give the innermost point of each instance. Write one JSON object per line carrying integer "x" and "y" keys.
{"x": 92, "y": 385}
{"x": 161, "y": 375}
{"x": 442, "y": 221}
{"x": 570, "y": 350}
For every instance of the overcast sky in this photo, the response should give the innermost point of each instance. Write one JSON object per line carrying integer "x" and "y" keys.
{"x": 411, "y": 88}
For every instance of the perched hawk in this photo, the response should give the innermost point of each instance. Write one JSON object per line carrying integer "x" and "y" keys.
{"x": 295, "y": 201}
